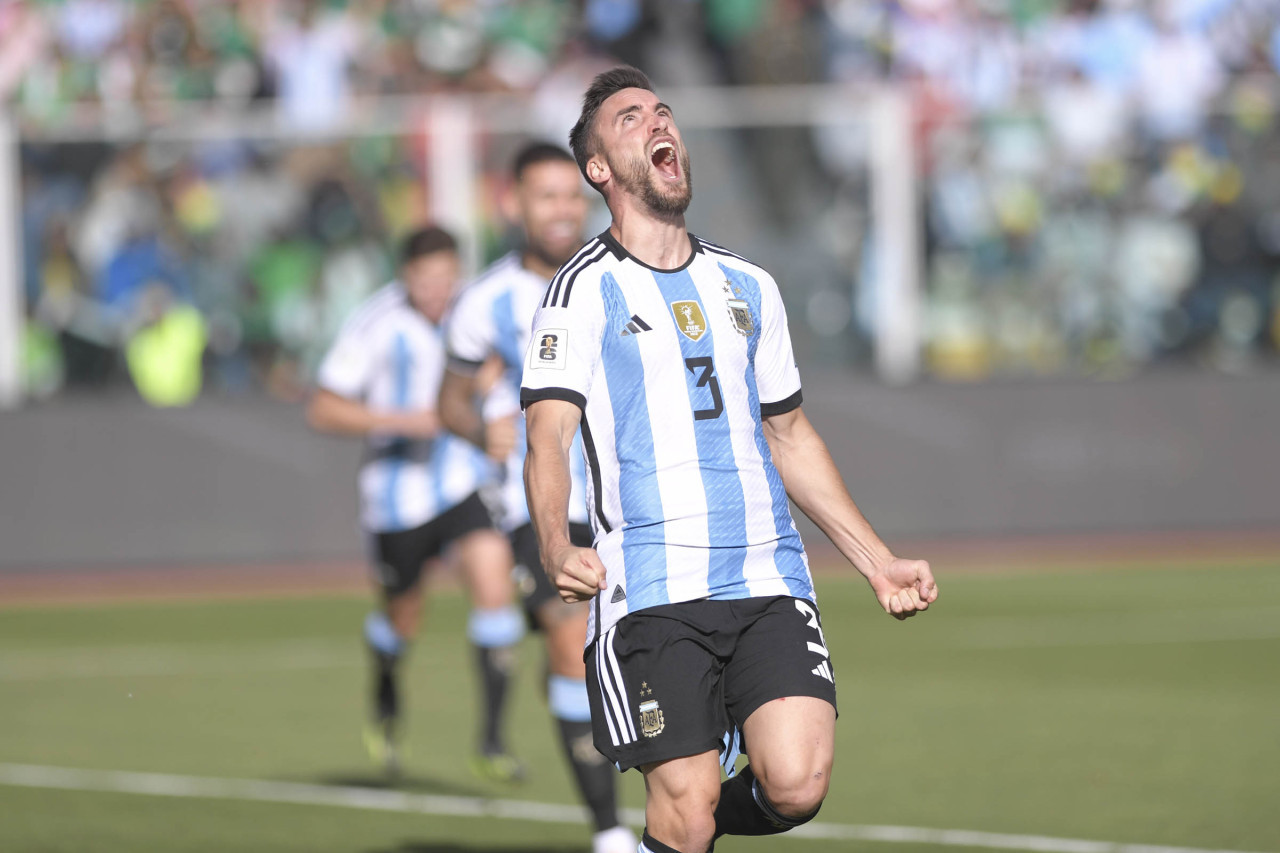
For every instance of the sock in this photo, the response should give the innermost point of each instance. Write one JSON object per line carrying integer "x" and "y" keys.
{"x": 592, "y": 771}
{"x": 649, "y": 845}
{"x": 494, "y": 634}
{"x": 743, "y": 809}
{"x": 387, "y": 647}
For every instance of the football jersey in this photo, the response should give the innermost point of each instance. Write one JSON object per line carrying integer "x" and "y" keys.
{"x": 391, "y": 357}
{"x": 674, "y": 370}
{"x": 494, "y": 315}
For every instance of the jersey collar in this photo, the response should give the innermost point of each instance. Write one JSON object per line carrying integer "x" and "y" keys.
{"x": 622, "y": 254}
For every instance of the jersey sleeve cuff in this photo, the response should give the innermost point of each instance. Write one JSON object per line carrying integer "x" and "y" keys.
{"x": 465, "y": 366}
{"x": 533, "y": 395}
{"x": 768, "y": 410}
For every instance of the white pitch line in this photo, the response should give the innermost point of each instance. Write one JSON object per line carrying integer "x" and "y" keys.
{"x": 151, "y": 660}
{"x": 298, "y": 793}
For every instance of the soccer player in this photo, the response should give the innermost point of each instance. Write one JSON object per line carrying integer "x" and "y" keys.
{"x": 673, "y": 356}
{"x": 419, "y": 487}
{"x": 493, "y": 315}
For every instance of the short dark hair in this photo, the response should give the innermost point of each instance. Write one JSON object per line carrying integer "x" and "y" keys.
{"x": 582, "y": 139}
{"x": 427, "y": 241}
{"x": 539, "y": 152}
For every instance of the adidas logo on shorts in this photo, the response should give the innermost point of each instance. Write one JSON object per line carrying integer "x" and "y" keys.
{"x": 823, "y": 670}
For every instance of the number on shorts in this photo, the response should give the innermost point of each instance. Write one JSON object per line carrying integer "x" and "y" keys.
{"x": 820, "y": 647}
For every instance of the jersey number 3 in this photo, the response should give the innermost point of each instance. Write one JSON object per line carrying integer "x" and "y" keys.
{"x": 708, "y": 380}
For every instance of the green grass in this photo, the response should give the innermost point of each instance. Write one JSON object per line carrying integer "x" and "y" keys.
{"x": 1130, "y": 706}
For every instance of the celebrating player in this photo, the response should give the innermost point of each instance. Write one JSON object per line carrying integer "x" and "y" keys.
{"x": 493, "y": 316}
{"x": 418, "y": 486}
{"x": 673, "y": 355}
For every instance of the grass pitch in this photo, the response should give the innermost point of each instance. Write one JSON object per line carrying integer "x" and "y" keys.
{"x": 1131, "y": 706}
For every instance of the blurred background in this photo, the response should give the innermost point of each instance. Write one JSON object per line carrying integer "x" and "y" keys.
{"x": 1030, "y": 252}
{"x": 1034, "y": 242}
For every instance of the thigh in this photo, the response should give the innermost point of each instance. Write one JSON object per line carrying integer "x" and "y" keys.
{"x": 655, "y": 690}
{"x": 398, "y": 558}
{"x": 781, "y": 652}
{"x": 483, "y": 553}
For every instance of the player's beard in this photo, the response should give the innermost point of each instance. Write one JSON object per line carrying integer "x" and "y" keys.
{"x": 550, "y": 256}
{"x": 637, "y": 178}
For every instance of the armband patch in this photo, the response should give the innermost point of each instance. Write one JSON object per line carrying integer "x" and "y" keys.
{"x": 549, "y": 349}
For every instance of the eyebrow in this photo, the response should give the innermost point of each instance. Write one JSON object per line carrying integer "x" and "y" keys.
{"x": 635, "y": 108}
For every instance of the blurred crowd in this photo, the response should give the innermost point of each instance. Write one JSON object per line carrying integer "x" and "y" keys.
{"x": 1101, "y": 178}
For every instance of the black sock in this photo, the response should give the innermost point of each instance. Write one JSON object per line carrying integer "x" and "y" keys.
{"x": 386, "y": 693}
{"x": 655, "y": 846}
{"x": 495, "y": 674}
{"x": 743, "y": 809}
{"x": 593, "y": 772}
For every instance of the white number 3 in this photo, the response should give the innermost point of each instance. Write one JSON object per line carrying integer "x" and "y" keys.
{"x": 819, "y": 647}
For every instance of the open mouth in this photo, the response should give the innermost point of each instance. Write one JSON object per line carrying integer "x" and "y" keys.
{"x": 665, "y": 161}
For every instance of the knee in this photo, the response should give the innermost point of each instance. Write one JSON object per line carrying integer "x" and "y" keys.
{"x": 796, "y": 792}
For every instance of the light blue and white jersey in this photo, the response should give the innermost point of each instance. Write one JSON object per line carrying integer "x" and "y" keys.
{"x": 674, "y": 370}
{"x": 391, "y": 357}
{"x": 494, "y": 314}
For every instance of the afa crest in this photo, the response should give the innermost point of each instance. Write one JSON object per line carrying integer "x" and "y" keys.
{"x": 740, "y": 313}
{"x": 739, "y": 310}
{"x": 651, "y": 721}
{"x": 689, "y": 319}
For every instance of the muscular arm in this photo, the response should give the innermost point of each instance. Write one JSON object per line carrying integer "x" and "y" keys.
{"x": 458, "y": 410}
{"x": 333, "y": 413}
{"x": 813, "y": 482}
{"x": 550, "y": 426}
{"x": 459, "y": 413}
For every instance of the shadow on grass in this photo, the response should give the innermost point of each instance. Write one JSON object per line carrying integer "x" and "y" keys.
{"x": 410, "y": 783}
{"x": 448, "y": 847}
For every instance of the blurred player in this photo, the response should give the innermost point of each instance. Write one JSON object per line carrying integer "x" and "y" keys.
{"x": 419, "y": 486}
{"x": 673, "y": 357}
{"x": 493, "y": 316}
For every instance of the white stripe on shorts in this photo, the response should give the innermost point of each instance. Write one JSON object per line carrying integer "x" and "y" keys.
{"x": 601, "y": 675}
{"x": 614, "y": 690}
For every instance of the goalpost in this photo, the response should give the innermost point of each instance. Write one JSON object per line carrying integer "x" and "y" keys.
{"x": 454, "y": 125}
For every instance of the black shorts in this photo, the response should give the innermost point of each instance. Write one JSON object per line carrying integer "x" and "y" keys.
{"x": 398, "y": 557}
{"x": 672, "y": 680}
{"x": 532, "y": 582}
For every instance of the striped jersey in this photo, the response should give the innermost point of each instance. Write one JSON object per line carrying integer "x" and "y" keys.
{"x": 494, "y": 314}
{"x": 391, "y": 357}
{"x": 674, "y": 370}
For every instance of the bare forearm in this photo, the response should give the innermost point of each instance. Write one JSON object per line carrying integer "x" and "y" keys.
{"x": 458, "y": 411}
{"x": 547, "y": 486}
{"x": 329, "y": 412}
{"x": 814, "y": 483}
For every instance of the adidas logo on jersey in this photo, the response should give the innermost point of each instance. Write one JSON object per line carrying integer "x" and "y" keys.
{"x": 618, "y": 594}
{"x": 635, "y": 326}
{"x": 823, "y": 670}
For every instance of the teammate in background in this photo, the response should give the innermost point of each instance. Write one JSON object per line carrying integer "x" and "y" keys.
{"x": 493, "y": 316}
{"x": 419, "y": 487}
{"x": 674, "y": 357}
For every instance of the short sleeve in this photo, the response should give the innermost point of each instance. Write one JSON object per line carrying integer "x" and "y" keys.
{"x": 777, "y": 377}
{"x": 347, "y": 368}
{"x": 469, "y": 332}
{"x": 564, "y": 350}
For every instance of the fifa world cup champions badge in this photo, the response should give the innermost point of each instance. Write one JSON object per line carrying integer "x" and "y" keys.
{"x": 689, "y": 319}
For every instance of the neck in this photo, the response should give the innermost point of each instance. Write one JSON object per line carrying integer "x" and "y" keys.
{"x": 661, "y": 242}
{"x": 536, "y": 265}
